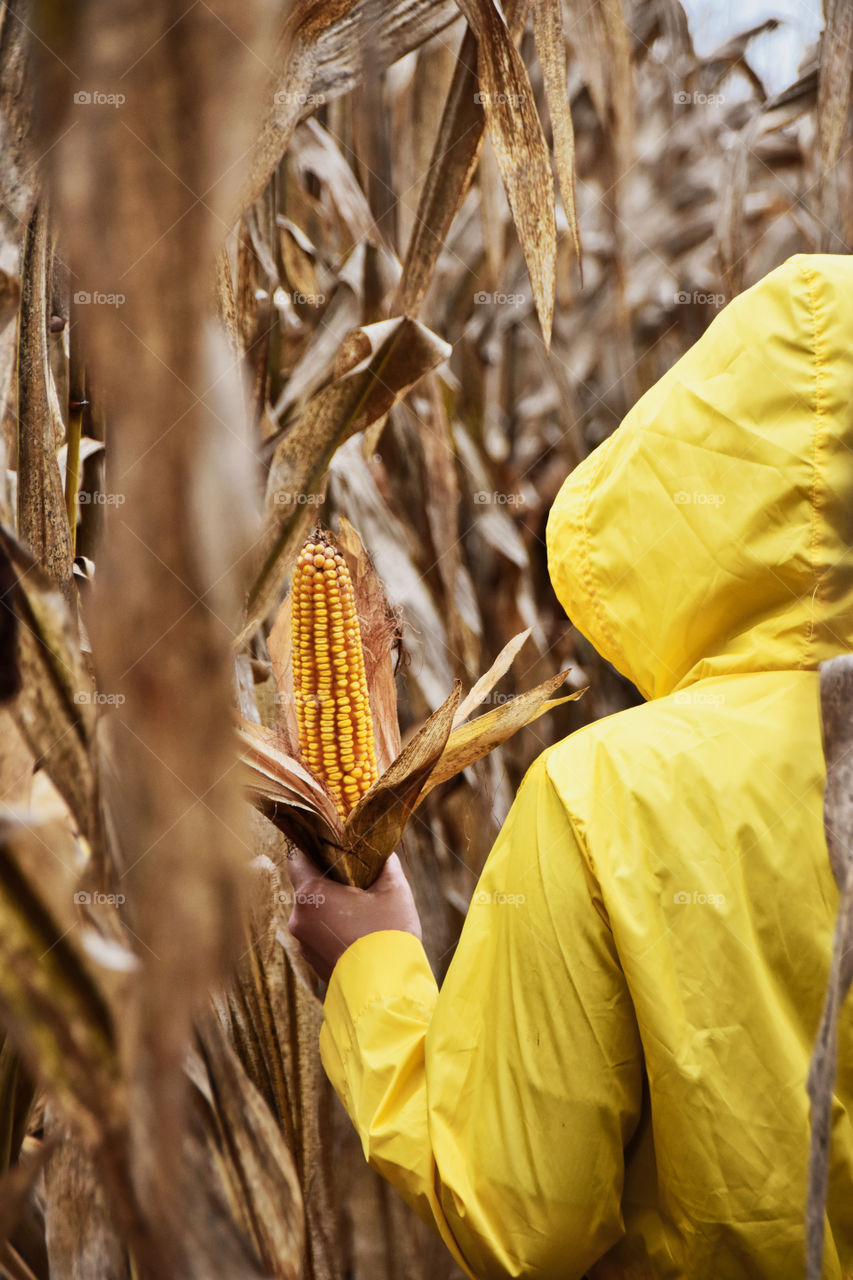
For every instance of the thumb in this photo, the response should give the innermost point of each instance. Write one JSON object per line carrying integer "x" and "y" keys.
{"x": 301, "y": 869}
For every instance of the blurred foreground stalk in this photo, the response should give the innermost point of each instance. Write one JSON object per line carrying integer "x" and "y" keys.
{"x": 150, "y": 126}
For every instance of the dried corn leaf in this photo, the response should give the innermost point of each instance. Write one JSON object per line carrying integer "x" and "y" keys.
{"x": 273, "y": 1018}
{"x": 50, "y": 1002}
{"x": 288, "y": 793}
{"x": 373, "y": 829}
{"x": 836, "y": 71}
{"x": 298, "y": 257}
{"x": 299, "y": 824}
{"x": 428, "y": 426}
{"x": 836, "y": 697}
{"x": 551, "y": 50}
{"x": 320, "y": 56}
{"x": 213, "y": 1241}
{"x": 341, "y": 314}
{"x": 470, "y": 742}
{"x": 602, "y": 44}
{"x": 260, "y": 1171}
{"x": 395, "y": 546}
{"x": 394, "y": 28}
{"x": 10, "y": 673}
{"x": 314, "y": 151}
{"x": 379, "y": 629}
{"x": 16, "y": 1267}
{"x": 261, "y": 747}
{"x": 492, "y": 216}
{"x": 487, "y": 682}
{"x": 280, "y": 645}
{"x": 17, "y": 1093}
{"x": 16, "y": 1186}
{"x": 55, "y": 708}
{"x": 452, "y": 166}
{"x": 400, "y": 352}
{"x": 81, "y": 1235}
{"x": 42, "y": 521}
{"x": 454, "y": 160}
{"x": 731, "y": 229}
{"x": 226, "y": 302}
{"x": 520, "y": 150}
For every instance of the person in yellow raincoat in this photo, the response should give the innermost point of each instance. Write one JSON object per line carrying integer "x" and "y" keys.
{"x": 612, "y": 1078}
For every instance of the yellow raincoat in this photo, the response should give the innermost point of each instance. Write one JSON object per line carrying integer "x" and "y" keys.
{"x": 613, "y": 1075}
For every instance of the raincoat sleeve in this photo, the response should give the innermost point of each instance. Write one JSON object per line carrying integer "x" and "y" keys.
{"x": 499, "y": 1106}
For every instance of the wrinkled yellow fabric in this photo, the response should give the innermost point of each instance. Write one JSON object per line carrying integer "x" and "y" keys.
{"x": 612, "y": 1078}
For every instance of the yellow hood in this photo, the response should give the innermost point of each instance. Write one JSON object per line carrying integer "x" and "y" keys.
{"x": 712, "y": 532}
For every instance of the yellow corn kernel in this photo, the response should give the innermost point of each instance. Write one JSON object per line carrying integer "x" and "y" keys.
{"x": 329, "y": 684}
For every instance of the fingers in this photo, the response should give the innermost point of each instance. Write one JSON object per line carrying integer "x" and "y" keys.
{"x": 390, "y": 877}
{"x": 302, "y": 871}
{"x": 393, "y": 886}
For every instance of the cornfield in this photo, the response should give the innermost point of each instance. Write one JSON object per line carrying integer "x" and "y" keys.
{"x": 395, "y": 267}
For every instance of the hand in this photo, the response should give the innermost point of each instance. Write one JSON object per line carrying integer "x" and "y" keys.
{"x": 327, "y": 917}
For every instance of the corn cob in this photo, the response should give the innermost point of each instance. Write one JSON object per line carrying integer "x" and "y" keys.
{"x": 329, "y": 683}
